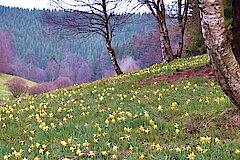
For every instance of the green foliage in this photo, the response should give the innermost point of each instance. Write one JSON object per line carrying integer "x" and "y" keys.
{"x": 120, "y": 118}
{"x": 195, "y": 45}
{"x": 228, "y": 11}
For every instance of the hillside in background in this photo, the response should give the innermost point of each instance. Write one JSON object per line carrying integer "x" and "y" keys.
{"x": 136, "y": 44}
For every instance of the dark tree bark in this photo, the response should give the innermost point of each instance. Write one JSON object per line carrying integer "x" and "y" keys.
{"x": 182, "y": 21}
{"x": 236, "y": 29}
{"x": 108, "y": 38}
{"x": 225, "y": 65}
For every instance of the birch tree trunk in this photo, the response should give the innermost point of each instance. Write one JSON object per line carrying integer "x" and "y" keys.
{"x": 114, "y": 59}
{"x": 166, "y": 48}
{"x": 225, "y": 65}
{"x": 159, "y": 14}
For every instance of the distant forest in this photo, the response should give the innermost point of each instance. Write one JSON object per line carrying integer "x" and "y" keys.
{"x": 40, "y": 55}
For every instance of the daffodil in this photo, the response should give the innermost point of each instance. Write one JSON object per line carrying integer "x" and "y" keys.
{"x": 217, "y": 140}
{"x": 151, "y": 122}
{"x": 115, "y": 148}
{"x": 104, "y": 153}
{"x": 141, "y": 128}
{"x": 41, "y": 151}
{"x": 191, "y": 156}
{"x": 86, "y": 144}
{"x": 160, "y": 108}
{"x": 188, "y": 148}
{"x": 237, "y": 151}
{"x": 63, "y": 143}
{"x": 205, "y": 139}
{"x": 91, "y": 153}
{"x": 47, "y": 153}
{"x": 155, "y": 126}
{"x": 158, "y": 147}
{"x": 199, "y": 149}
{"x": 130, "y": 148}
{"x": 141, "y": 156}
{"x": 79, "y": 153}
{"x": 177, "y": 149}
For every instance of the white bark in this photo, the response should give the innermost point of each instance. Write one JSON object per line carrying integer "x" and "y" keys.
{"x": 226, "y": 67}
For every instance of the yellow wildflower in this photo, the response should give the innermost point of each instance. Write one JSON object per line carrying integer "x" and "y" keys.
{"x": 86, "y": 144}
{"x": 237, "y": 151}
{"x": 205, "y": 139}
{"x": 217, "y": 140}
{"x": 91, "y": 153}
{"x": 104, "y": 153}
{"x": 188, "y": 148}
{"x": 79, "y": 153}
{"x": 141, "y": 156}
{"x": 151, "y": 122}
{"x": 63, "y": 143}
{"x": 199, "y": 149}
{"x": 177, "y": 149}
{"x": 115, "y": 148}
{"x": 191, "y": 156}
{"x": 158, "y": 147}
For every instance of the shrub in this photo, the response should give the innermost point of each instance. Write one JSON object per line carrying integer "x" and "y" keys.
{"x": 63, "y": 82}
{"x": 41, "y": 88}
{"x": 17, "y": 87}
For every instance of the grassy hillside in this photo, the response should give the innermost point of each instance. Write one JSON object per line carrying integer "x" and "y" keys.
{"x": 119, "y": 118}
{"x": 4, "y": 93}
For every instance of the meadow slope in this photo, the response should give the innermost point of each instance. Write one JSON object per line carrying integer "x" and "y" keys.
{"x": 120, "y": 118}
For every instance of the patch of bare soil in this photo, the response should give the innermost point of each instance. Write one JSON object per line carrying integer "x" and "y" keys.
{"x": 228, "y": 122}
{"x": 203, "y": 72}
{"x": 232, "y": 117}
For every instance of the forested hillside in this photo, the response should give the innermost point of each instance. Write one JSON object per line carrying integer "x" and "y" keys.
{"x": 34, "y": 43}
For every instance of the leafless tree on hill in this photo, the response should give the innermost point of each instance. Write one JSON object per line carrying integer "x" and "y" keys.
{"x": 158, "y": 10}
{"x": 88, "y": 17}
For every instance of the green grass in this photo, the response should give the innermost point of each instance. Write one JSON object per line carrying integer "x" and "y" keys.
{"x": 123, "y": 119}
{"x": 4, "y": 92}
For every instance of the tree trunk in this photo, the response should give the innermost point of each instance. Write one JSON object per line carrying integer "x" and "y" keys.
{"x": 114, "y": 59}
{"x": 180, "y": 43}
{"x": 225, "y": 65}
{"x": 182, "y": 20}
{"x": 166, "y": 48}
{"x": 108, "y": 39}
{"x": 236, "y": 29}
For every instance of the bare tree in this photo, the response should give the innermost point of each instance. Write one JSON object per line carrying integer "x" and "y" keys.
{"x": 87, "y": 17}
{"x": 157, "y": 8}
{"x": 226, "y": 67}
